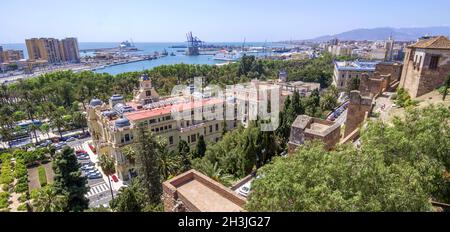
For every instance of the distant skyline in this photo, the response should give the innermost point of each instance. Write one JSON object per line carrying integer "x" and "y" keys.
{"x": 211, "y": 21}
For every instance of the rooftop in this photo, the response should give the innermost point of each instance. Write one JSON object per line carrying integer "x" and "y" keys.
{"x": 204, "y": 194}
{"x": 356, "y": 65}
{"x": 143, "y": 114}
{"x": 439, "y": 42}
{"x": 315, "y": 126}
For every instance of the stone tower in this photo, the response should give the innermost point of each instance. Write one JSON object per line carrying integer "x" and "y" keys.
{"x": 357, "y": 109}
{"x": 146, "y": 93}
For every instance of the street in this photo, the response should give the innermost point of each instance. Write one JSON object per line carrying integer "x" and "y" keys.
{"x": 99, "y": 192}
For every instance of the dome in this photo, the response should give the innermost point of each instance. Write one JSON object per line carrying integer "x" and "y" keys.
{"x": 117, "y": 97}
{"x": 145, "y": 77}
{"x": 122, "y": 122}
{"x": 95, "y": 102}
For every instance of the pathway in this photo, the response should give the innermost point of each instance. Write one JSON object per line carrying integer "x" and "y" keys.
{"x": 33, "y": 178}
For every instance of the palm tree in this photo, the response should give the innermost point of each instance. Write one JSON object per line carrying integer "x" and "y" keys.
{"x": 107, "y": 164}
{"x": 214, "y": 172}
{"x": 130, "y": 154}
{"x": 46, "y": 129}
{"x": 47, "y": 200}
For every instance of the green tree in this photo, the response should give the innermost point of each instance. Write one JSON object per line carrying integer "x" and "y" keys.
{"x": 183, "y": 152}
{"x": 445, "y": 88}
{"x": 47, "y": 199}
{"x": 314, "y": 179}
{"x": 45, "y": 128}
{"x": 148, "y": 166}
{"x": 79, "y": 120}
{"x": 200, "y": 148}
{"x": 108, "y": 166}
{"x": 69, "y": 182}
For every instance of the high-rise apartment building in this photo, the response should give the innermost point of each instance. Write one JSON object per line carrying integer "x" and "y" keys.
{"x": 8, "y": 56}
{"x": 70, "y": 51}
{"x": 53, "y": 50}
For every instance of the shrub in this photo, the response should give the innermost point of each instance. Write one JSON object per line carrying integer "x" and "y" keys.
{"x": 4, "y": 200}
{"x": 42, "y": 176}
{"x": 23, "y": 198}
{"x": 6, "y": 176}
{"x": 22, "y": 207}
{"x": 403, "y": 99}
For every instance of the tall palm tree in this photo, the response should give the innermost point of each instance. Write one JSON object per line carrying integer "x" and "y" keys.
{"x": 107, "y": 164}
{"x": 47, "y": 200}
{"x": 130, "y": 154}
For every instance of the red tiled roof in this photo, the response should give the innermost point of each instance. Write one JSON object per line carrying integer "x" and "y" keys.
{"x": 143, "y": 114}
{"x": 439, "y": 42}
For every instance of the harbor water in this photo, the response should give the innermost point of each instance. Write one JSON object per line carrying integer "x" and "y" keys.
{"x": 148, "y": 49}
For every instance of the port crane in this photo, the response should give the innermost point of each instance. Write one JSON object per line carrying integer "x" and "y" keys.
{"x": 194, "y": 43}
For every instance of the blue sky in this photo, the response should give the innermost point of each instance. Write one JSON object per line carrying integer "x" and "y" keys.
{"x": 211, "y": 20}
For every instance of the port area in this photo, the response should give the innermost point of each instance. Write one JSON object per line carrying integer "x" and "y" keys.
{"x": 100, "y": 60}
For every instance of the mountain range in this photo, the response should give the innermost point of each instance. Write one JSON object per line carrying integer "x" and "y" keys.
{"x": 382, "y": 33}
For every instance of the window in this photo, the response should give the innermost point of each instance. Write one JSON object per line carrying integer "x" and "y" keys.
{"x": 148, "y": 93}
{"x": 170, "y": 126}
{"x": 217, "y": 127}
{"x": 434, "y": 62}
{"x": 157, "y": 129}
{"x": 210, "y": 129}
{"x": 193, "y": 138}
{"x": 171, "y": 140}
{"x": 152, "y": 121}
{"x": 127, "y": 138}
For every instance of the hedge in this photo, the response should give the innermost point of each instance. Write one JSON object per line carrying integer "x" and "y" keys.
{"x": 42, "y": 176}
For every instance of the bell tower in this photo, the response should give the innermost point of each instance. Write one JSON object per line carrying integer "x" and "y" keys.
{"x": 146, "y": 93}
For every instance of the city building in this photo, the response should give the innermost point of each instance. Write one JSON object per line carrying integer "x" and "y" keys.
{"x": 10, "y": 56}
{"x": 309, "y": 128}
{"x": 53, "y": 50}
{"x": 194, "y": 192}
{"x": 340, "y": 50}
{"x": 426, "y": 65}
{"x": 70, "y": 50}
{"x": 113, "y": 126}
{"x": 344, "y": 71}
{"x": 389, "y": 46}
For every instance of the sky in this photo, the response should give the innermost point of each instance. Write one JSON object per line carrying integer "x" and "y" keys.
{"x": 210, "y": 20}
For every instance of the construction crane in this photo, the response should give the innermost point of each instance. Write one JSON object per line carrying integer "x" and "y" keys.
{"x": 194, "y": 43}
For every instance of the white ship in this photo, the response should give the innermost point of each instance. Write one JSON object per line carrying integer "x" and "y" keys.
{"x": 228, "y": 56}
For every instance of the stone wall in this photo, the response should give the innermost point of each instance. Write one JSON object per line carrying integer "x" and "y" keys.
{"x": 357, "y": 109}
{"x": 384, "y": 76}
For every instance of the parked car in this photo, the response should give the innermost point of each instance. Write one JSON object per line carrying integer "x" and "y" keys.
{"x": 93, "y": 171}
{"x": 80, "y": 152}
{"x": 71, "y": 139}
{"x": 114, "y": 178}
{"x": 87, "y": 167}
{"x": 83, "y": 157}
{"x": 94, "y": 176}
